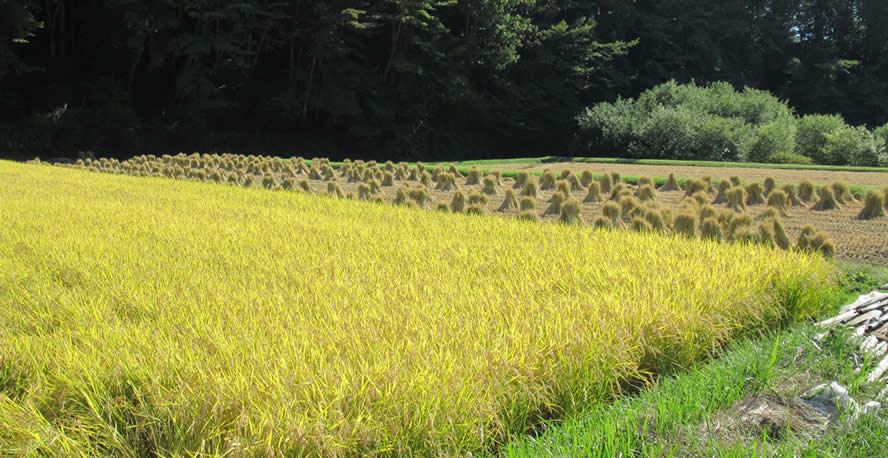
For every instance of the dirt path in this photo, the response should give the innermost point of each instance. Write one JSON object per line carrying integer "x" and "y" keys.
{"x": 781, "y": 175}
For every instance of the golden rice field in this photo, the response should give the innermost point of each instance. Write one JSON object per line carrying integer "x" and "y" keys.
{"x": 143, "y": 316}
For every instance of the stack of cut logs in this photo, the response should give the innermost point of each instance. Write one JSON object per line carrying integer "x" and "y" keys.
{"x": 868, "y": 316}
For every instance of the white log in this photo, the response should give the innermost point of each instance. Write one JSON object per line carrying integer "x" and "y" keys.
{"x": 877, "y": 373}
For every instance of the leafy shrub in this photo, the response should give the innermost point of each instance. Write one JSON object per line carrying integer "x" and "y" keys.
{"x": 853, "y": 146}
{"x": 811, "y": 135}
{"x": 776, "y": 137}
{"x": 784, "y": 157}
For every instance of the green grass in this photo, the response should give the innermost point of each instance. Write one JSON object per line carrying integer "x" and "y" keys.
{"x": 752, "y": 165}
{"x": 677, "y": 416}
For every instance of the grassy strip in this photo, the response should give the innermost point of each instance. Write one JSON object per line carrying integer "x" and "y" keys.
{"x": 752, "y": 165}
{"x": 143, "y": 316}
{"x": 674, "y": 417}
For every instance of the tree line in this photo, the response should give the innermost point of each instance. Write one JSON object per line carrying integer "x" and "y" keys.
{"x": 406, "y": 79}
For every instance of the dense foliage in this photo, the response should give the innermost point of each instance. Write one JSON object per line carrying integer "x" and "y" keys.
{"x": 717, "y": 123}
{"x": 407, "y": 78}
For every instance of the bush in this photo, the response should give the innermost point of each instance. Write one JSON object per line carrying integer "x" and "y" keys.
{"x": 776, "y": 137}
{"x": 853, "y": 146}
{"x": 790, "y": 158}
{"x": 811, "y": 135}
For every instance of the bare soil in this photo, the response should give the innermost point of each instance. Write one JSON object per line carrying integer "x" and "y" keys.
{"x": 746, "y": 174}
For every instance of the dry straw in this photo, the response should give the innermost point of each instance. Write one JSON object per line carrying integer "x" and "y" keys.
{"x": 671, "y": 184}
{"x": 594, "y": 194}
{"x": 547, "y": 181}
{"x": 736, "y": 198}
{"x": 570, "y": 212}
{"x": 530, "y": 188}
{"x": 586, "y": 178}
{"x": 722, "y": 195}
{"x": 458, "y": 202}
{"x": 606, "y": 183}
{"x": 686, "y": 224}
{"x": 754, "y": 194}
{"x": 770, "y": 186}
{"x": 779, "y": 200}
{"x": 509, "y": 202}
{"x": 873, "y": 205}
{"x": 646, "y": 193}
{"x": 842, "y": 192}
{"x": 555, "y": 203}
{"x": 474, "y": 177}
{"x": 827, "y": 199}
{"x": 521, "y": 180}
{"x": 806, "y": 191}
{"x": 527, "y": 203}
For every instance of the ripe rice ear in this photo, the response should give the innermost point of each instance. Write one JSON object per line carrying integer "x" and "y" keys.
{"x": 671, "y": 184}
{"x": 510, "y": 202}
{"x": 594, "y": 194}
{"x": 873, "y": 205}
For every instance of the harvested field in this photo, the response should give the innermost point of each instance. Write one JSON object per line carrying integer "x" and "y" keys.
{"x": 857, "y": 240}
{"x": 745, "y": 174}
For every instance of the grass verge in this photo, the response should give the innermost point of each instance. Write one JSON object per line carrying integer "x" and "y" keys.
{"x": 694, "y": 413}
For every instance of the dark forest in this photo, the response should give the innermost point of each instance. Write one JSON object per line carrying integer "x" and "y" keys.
{"x": 405, "y": 79}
